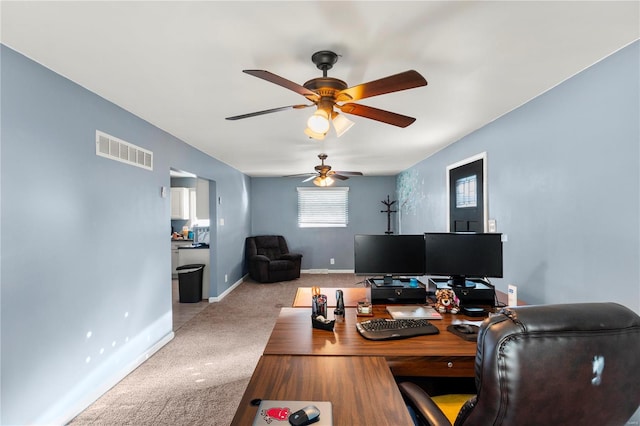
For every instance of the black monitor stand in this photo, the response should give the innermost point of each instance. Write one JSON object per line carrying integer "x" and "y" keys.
{"x": 479, "y": 293}
{"x": 459, "y": 281}
{"x": 389, "y": 281}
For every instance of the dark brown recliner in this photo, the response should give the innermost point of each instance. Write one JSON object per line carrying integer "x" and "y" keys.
{"x": 565, "y": 364}
{"x": 269, "y": 259}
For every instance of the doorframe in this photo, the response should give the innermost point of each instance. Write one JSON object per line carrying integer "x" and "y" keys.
{"x": 485, "y": 199}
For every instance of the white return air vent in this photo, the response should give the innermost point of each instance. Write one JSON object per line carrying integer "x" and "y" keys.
{"x": 119, "y": 150}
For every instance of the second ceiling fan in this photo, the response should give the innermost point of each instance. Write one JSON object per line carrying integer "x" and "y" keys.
{"x": 329, "y": 94}
{"x": 324, "y": 176}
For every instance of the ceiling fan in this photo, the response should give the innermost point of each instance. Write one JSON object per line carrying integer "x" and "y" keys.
{"x": 329, "y": 94}
{"x": 324, "y": 176}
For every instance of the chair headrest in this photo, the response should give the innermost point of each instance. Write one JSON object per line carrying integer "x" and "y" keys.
{"x": 572, "y": 317}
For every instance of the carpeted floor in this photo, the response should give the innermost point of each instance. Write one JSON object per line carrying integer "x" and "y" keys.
{"x": 200, "y": 376}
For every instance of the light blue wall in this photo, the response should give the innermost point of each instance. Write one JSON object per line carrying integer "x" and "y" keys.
{"x": 274, "y": 210}
{"x": 563, "y": 184}
{"x": 85, "y": 250}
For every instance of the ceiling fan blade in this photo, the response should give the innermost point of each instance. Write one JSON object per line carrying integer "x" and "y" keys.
{"x": 337, "y": 176}
{"x": 349, "y": 173}
{"x": 377, "y": 114}
{"x": 267, "y": 111}
{"x": 301, "y": 175}
{"x": 281, "y": 81}
{"x": 310, "y": 177}
{"x": 394, "y": 83}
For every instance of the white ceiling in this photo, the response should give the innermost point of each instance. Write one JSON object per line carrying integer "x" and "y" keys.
{"x": 178, "y": 65}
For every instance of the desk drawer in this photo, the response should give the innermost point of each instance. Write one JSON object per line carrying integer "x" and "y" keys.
{"x": 454, "y": 366}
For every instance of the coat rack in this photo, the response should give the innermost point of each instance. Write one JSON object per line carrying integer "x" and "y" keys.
{"x": 388, "y": 211}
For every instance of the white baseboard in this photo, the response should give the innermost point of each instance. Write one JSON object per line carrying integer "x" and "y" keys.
{"x": 227, "y": 291}
{"x": 96, "y": 384}
{"x": 327, "y": 271}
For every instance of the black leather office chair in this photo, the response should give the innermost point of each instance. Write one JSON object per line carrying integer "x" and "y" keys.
{"x": 269, "y": 259}
{"x": 565, "y": 364}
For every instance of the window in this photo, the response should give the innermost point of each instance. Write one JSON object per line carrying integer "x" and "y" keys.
{"x": 323, "y": 207}
{"x": 466, "y": 194}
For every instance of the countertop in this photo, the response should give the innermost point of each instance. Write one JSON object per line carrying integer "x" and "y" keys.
{"x": 194, "y": 246}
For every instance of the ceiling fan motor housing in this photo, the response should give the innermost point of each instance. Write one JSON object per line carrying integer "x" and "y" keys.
{"x": 325, "y": 86}
{"x": 323, "y": 169}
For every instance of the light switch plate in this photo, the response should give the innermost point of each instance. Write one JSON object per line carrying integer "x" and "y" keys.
{"x": 492, "y": 225}
{"x": 512, "y": 295}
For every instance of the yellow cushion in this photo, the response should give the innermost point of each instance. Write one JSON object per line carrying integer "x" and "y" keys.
{"x": 451, "y": 404}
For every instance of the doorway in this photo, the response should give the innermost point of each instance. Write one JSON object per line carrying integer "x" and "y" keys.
{"x": 466, "y": 193}
{"x": 191, "y": 210}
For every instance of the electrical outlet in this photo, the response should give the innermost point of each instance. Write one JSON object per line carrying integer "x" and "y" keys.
{"x": 226, "y": 278}
{"x": 332, "y": 261}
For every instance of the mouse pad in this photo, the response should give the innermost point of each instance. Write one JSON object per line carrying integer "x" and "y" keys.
{"x": 275, "y": 413}
{"x": 465, "y": 331}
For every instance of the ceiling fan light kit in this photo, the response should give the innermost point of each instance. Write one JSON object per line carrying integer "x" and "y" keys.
{"x": 314, "y": 135}
{"x": 341, "y": 123}
{"x": 328, "y": 93}
{"x": 323, "y": 181}
{"x": 319, "y": 121}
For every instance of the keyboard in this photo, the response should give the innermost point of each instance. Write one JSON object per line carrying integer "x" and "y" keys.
{"x": 387, "y": 329}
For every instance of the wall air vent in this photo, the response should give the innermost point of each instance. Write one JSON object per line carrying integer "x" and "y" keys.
{"x": 119, "y": 150}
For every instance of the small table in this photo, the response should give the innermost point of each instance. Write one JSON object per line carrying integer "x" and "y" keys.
{"x": 361, "y": 389}
{"x": 351, "y": 296}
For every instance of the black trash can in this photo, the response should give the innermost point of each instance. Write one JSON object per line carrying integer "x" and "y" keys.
{"x": 190, "y": 282}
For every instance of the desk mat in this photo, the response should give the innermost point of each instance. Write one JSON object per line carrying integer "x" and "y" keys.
{"x": 462, "y": 331}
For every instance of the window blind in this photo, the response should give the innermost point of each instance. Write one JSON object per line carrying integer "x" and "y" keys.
{"x": 323, "y": 207}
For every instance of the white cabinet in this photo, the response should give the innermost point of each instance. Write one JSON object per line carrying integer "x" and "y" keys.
{"x": 174, "y": 256}
{"x": 180, "y": 203}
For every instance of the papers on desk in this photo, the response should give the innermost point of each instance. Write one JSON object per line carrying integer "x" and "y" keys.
{"x": 413, "y": 312}
{"x": 271, "y": 412}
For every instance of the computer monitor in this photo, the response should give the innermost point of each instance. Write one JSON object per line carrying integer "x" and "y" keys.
{"x": 389, "y": 255}
{"x": 463, "y": 255}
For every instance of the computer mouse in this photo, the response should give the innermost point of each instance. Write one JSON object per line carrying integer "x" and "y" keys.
{"x": 305, "y": 416}
{"x": 465, "y": 328}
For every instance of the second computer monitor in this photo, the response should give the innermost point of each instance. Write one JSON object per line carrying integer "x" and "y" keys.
{"x": 463, "y": 255}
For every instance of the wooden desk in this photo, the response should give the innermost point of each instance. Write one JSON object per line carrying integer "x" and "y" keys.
{"x": 355, "y": 374}
{"x": 361, "y": 389}
{"x": 444, "y": 354}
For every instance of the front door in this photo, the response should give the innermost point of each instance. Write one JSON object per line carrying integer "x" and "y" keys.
{"x": 466, "y": 197}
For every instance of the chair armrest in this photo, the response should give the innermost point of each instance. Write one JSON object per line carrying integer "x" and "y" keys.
{"x": 291, "y": 256}
{"x": 423, "y": 404}
{"x": 259, "y": 258}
